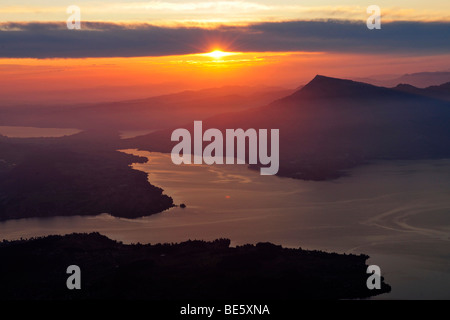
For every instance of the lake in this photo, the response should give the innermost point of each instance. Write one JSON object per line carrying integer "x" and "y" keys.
{"x": 398, "y": 212}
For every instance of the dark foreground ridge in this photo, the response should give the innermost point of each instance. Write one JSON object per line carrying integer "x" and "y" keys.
{"x": 36, "y": 269}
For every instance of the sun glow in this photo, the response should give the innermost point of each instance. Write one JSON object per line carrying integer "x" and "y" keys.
{"x": 218, "y": 54}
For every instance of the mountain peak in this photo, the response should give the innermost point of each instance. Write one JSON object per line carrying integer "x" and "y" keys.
{"x": 328, "y": 87}
{"x": 320, "y": 77}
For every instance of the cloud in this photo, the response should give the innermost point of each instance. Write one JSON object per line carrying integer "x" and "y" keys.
{"x": 103, "y": 39}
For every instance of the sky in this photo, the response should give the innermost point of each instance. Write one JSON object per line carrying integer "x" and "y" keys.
{"x": 152, "y": 47}
{"x": 225, "y": 11}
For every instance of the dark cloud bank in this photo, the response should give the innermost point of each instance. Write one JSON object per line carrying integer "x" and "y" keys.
{"x": 95, "y": 39}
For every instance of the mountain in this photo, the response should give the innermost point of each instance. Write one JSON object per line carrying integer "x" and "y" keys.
{"x": 439, "y": 92}
{"x": 151, "y": 113}
{"x": 322, "y": 87}
{"x": 420, "y": 79}
{"x": 331, "y": 125}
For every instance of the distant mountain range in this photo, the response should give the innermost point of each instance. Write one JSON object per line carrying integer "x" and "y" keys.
{"x": 438, "y": 92}
{"x": 331, "y": 125}
{"x": 420, "y": 79}
{"x": 151, "y": 113}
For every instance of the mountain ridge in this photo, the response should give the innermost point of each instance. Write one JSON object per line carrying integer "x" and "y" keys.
{"x": 417, "y": 79}
{"x": 332, "y": 125}
{"x": 438, "y": 92}
{"x": 324, "y": 87}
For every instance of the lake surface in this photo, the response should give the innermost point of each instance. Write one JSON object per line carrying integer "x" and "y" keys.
{"x": 33, "y": 132}
{"x": 397, "y": 212}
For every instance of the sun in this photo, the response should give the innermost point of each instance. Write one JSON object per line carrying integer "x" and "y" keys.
{"x": 218, "y": 54}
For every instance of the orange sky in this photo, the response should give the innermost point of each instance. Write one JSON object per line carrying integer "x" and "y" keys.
{"x": 111, "y": 79}
{"x": 265, "y": 25}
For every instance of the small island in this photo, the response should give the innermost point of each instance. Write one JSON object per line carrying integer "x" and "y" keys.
{"x": 191, "y": 270}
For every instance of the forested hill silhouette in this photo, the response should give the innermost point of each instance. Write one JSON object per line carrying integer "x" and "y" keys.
{"x": 331, "y": 125}
{"x": 189, "y": 271}
{"x": 81, "y": 174}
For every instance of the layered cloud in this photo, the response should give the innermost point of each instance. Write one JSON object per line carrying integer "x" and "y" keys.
{"x": 104, "y": 39}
